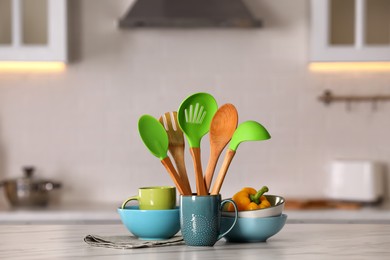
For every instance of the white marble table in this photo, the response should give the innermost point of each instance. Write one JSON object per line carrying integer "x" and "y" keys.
{"x": 295, "y": 241}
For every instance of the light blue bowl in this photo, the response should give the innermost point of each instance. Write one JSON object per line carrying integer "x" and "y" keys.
{"x": 253, "y": 229}
{"x": 150, "y": 224}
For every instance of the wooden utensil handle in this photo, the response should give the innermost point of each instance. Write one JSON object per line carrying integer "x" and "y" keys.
{"x": 208, "y": 177}
{"x": 175, "y": 177}
{"x": 200, "y": 185}
{"x": 222, "y": 173}
{"x": 177, "y": 153}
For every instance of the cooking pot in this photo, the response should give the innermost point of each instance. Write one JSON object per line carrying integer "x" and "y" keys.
{"x": 28, "y": 191}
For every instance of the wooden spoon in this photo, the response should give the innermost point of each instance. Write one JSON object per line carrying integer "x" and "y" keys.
{"x": 222, "y": 127}
{"x": 176, "y": 144}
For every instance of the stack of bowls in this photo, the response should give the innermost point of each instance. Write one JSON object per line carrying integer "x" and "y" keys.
{"x": 156, "y": 216}
{"x": 256, "y": 225}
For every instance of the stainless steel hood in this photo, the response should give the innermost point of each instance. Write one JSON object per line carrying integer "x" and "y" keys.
{"x": 188, "y": 13}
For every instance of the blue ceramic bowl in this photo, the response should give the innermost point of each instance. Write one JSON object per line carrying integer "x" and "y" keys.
{"x": 253, "y": 229}
{"x": 150, "y": 224}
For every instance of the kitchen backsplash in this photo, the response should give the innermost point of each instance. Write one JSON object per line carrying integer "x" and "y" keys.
{"x": 80, "y": 126}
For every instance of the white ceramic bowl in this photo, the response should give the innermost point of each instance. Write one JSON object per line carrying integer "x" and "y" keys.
{"x": 276, "y": 209}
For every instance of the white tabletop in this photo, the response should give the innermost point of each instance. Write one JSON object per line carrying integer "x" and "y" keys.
{"x": 295, "y": 241}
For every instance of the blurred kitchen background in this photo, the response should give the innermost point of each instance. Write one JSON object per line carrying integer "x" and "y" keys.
{"x": 78, "y": 126}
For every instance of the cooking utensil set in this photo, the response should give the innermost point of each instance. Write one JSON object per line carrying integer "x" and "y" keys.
{"x": 198, "y": 115}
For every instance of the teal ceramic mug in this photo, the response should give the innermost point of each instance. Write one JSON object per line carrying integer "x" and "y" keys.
{"x": 200, "y": 219}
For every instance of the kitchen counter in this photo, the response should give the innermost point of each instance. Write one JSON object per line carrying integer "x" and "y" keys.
{"x": 73, "y": 213}
{"x": 64, "y": 213}
{"x": 353, "y": 216}
{"x": 294, "y": 241}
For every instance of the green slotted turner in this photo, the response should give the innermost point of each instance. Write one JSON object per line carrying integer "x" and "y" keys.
{"x": 194, "y": 116}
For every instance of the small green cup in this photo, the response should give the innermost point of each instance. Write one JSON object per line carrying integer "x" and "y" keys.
{"x": 154, "y": 198}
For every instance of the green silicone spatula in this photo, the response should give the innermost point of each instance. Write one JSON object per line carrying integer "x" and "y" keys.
{"x": 246, "y": 131}
{"x": 156, "y": 140}
{"x": 194, "y": 116}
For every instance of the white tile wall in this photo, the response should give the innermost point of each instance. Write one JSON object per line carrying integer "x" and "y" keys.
{"x": 80, "y": 127}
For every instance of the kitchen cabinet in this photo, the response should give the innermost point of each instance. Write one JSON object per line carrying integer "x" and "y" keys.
{"x": 350, "y": 30}
{"x": 33, "y": 30}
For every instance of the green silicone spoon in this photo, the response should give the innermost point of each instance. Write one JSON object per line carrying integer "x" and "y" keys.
{"x": 246, "y": 131}
{"x": 156, "y": 140}
{"x": 194, "y": 116}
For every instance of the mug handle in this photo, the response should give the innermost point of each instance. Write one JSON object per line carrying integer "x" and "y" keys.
{"x": 126, "y": 201}
{"x": 235, "y": 217}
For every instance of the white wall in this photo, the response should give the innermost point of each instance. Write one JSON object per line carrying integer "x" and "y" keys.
{"x": 80, "y": 126}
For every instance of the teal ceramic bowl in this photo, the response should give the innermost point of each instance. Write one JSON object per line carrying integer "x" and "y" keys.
{"x": 150, "y": 224}
{"x": 249, "y": 230}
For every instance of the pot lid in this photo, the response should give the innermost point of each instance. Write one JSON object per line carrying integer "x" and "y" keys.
{"x": 28, "y": 178}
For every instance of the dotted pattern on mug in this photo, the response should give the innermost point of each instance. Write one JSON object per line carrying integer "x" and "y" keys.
{"x": 201, "y": 230}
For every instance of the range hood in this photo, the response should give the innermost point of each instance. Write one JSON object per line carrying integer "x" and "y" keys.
{"x": 188, "y": 13}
